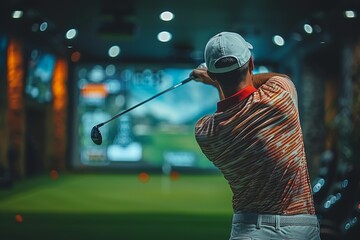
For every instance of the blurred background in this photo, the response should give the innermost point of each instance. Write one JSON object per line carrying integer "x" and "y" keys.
{"x": 66, "y": 66}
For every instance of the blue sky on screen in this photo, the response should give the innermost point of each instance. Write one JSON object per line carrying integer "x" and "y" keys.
{"x": 184, "y": 104}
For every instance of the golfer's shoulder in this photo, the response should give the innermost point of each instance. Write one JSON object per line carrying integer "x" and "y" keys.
{"x": 281, "y": 82}
{"x": 203, "y": 124}
{"x": 205, "y": 119}
{"x": 280, "y": 87}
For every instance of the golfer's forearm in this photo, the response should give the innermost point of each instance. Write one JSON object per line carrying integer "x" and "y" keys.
{"x": 261, "y": 78}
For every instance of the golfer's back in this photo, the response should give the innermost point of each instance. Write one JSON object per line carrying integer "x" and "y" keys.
{"x": 257, "y": 144}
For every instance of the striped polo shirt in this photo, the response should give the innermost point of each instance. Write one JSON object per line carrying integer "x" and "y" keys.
{"x": 255, "y": 140}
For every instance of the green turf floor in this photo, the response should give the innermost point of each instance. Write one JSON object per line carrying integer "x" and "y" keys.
{"x": 115, "y": 206}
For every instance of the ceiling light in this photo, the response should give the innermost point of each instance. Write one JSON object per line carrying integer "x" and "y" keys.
{"x": 114, "y": 51}
{"x": 43, "y": 26}
{"x": 17, "y": 14}
{"x": 164, "y": 36}
{"x": 350, "y": 14}
{"x": 166, "y": 16}
{"x": 278, "y": 40}
{"x": 70, "y": 34}
{"x": 308, "y": 28}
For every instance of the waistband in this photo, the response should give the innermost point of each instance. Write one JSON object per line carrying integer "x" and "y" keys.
{"x": 276, "y": 220}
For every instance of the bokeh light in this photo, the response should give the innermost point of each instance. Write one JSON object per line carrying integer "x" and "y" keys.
{"x": 114, "y": 51}
{"x": 71, "y": 33}
{"x": 308, "y": 28}
{"x": 350, "y": 14}
{"x": 167, "y": 16}
{"x": 43, "y": 26}
{"x": 17, "y": 14}
{"x": 164, "y": 36}
{"x": 278, "y": 40}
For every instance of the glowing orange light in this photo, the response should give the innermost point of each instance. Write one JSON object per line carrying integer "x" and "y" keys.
{"x": 59, "y": 85}
{"x": 15, "y": 71}
{"x": 60, "y": 101}
{"x": 94, "y": 90}
{"x": 16, "y": 115}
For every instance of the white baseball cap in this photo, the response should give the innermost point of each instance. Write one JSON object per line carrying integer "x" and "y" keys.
{"x": 226, "y": 44}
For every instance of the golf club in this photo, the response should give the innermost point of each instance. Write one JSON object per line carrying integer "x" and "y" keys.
{"x": 95, "y": 132}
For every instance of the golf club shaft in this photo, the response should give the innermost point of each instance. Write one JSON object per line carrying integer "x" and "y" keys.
{"x": 141, "y": 103}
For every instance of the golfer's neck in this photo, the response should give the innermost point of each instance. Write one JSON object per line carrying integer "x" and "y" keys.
{"x": 243, "y": 84}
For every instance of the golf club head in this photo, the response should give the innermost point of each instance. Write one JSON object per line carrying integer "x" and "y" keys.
{"x": 96, "y": 135}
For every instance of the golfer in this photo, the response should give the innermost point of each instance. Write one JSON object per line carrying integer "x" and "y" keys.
{"x": 255, "y": 140}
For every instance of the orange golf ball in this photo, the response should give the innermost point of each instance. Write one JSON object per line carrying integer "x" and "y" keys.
{"x": 174, "y": 175}
{"x": 54, "y": 175}
{"x": 144, "y": 177}
{"x": 18, "y": 218}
